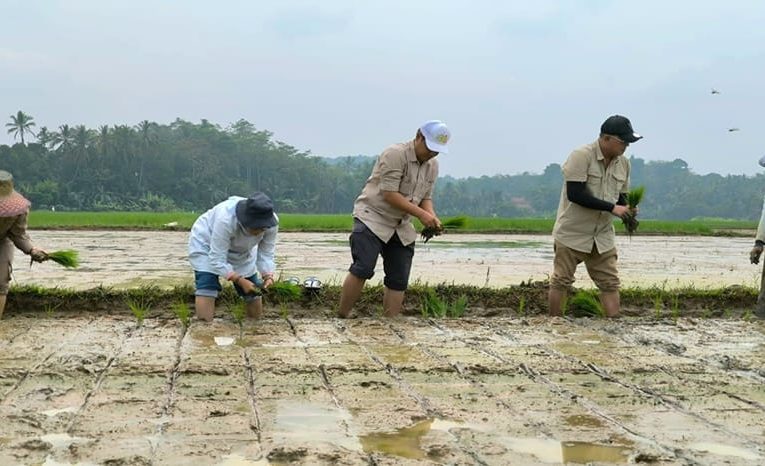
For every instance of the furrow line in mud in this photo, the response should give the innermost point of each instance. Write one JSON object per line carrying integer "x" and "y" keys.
{"x": 252, "y": 395}
{"x": 540, "y": 427}
{"x": 99, "y": 380}
{"x": 640, "y": 390}
{"x": 322, "y": 373}
{"x": 647, "y": 392}
{"x": 327, "y": 384}
{"x": 18, "y": 334}
{"x": 172, "y": 379}
{"x": 30, "y": 371}
{"x": 673, "y": 349}
{"x": 567, "y": 394}
{"x": 679, "y": 377}
{"x": 596, "y": 410}
{"x": 404, "y": 386}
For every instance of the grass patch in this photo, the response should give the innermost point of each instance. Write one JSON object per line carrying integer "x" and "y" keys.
{"x": 344, "y": 222}
{"x": 182, "y": 311}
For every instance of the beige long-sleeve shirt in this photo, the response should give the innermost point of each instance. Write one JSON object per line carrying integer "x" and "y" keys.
{"x": 15, "y": 229}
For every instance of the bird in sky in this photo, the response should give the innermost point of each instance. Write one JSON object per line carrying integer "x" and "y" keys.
{"x": 730, "y": 130}
{"x": 715, "y": 91}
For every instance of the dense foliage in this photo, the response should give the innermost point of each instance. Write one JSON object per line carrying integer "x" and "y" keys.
{"x": 192, "y": 166}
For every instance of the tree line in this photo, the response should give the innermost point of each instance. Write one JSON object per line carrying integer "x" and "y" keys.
{"x": 192, "y": 166}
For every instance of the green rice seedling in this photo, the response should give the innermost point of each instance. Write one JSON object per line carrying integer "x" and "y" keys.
{"x": 522, "y": 306}
{"x": 675, "y": 307}
{"x": 238, "y": 312}
{"x": 183, "y": 312}
{"x": 748, "y": 315}
{"x": 449, "y": 224}
{"x": 69, "y": 258}
{"x": 50, "y": 309}
{"x": 564, "y": 306}
{"x": 140, "y": 308}
{"x": 432, "y": 305}
{"x": 585, "y": 304}
{"x": 458, "y": 307}
{"x": 284, "y": 291}
{"x": 630, "y": 220}
{"x": 284, "y": 311}
{"x": 658, "y": 304}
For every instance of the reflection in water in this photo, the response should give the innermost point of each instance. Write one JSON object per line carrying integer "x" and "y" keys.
{"x": 725, "y": 450}
{"x": 405, "y": 442}
{"x": 553, "y": 451}
{"x": 313, "y": 423}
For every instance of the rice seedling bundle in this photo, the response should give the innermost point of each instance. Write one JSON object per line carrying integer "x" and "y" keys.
{"x": 450, "y": 224}
{"x": 584, "y": 304}
{"x": 284, "y": 291}
{"x": 630, "y": 220}
{"x": 69, "y": 258}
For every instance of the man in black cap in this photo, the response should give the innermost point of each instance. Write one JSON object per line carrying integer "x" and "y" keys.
{"x": 236, "y": 239}
{"x": 596, "y": 181}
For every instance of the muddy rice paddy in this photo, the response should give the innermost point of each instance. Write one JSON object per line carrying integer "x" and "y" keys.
{"x": 90, "y": 389}
{"x": 127, "y": 259}
{"x": 84, "y": 387}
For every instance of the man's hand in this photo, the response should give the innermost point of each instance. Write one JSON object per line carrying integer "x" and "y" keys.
{"x": 620, "y": 210}
{"x": 247, "y": 286}
{"x": 429, "y": 220}
{"x": 38, "y": 255}
{"x": 754, "y": 254}
{"x": 268, "y": 280}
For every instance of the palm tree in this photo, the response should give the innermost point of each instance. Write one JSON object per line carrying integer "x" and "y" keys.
{"x": 44, "y": 137}
{"x": 63, "y": 139}
{"x": 20, "y": 123}
{"x": 146, "y": 132}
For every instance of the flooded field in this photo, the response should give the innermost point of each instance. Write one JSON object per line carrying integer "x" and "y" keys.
{"x": 94, "y": 389}
{"x": 131, "y": 258}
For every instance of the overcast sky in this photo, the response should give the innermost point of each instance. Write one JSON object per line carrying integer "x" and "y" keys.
{"x": 520, "y": 83}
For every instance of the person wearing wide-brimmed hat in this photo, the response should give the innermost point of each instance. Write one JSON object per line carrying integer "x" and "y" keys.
{"x": 14, "y": 209}
{"x": 399, "y": 188}
{"x": 235, "y": 240}
{"x": 756, "y": 252}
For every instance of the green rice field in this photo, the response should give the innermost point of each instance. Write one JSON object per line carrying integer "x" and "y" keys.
{"x": 343, "y": 222}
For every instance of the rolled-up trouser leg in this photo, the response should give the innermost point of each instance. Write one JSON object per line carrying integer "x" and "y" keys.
{"x": 6, "y": 259}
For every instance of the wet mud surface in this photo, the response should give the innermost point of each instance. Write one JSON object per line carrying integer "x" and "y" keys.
{"x": 94, "y": 389}
{"x": 127, "y": 259}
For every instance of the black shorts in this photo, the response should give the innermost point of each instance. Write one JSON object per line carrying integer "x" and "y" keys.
{"x": 366, "y": 247}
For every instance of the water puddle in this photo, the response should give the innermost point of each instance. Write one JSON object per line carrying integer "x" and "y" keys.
{"x": 311, "y": 423}
{"x": 60, "y": 441}
{"x": 224, "y": 341}
{"x": 553, "y": 451}
{"x": 51, "y": 462}
{"x": 56, "y": 412}
{"x": 407, "y": 441}
{"x": 239, "y": 460}
{"x": 404, "y": 442}
{"x": 724, "y": 450}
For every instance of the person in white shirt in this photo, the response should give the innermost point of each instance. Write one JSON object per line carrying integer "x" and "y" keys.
{"x": 235, "y": 240}
{"x": 756, "y": 252}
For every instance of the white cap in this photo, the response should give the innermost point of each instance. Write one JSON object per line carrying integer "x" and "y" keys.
{"x": 762, "y": 161}
{"x": 436, "y": 135}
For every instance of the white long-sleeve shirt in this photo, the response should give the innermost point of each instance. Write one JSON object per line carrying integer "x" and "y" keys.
{"x": 761, "y": 227}
{"x": 219, "y": 244}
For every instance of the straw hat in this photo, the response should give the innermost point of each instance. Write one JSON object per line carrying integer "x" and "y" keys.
{"x": 11, "y": 202}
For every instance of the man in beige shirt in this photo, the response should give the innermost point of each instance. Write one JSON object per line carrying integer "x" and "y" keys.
{"x": 596, "y": 179}
{"x": 14, "y": 209}
{"x": 401, "y": 186}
